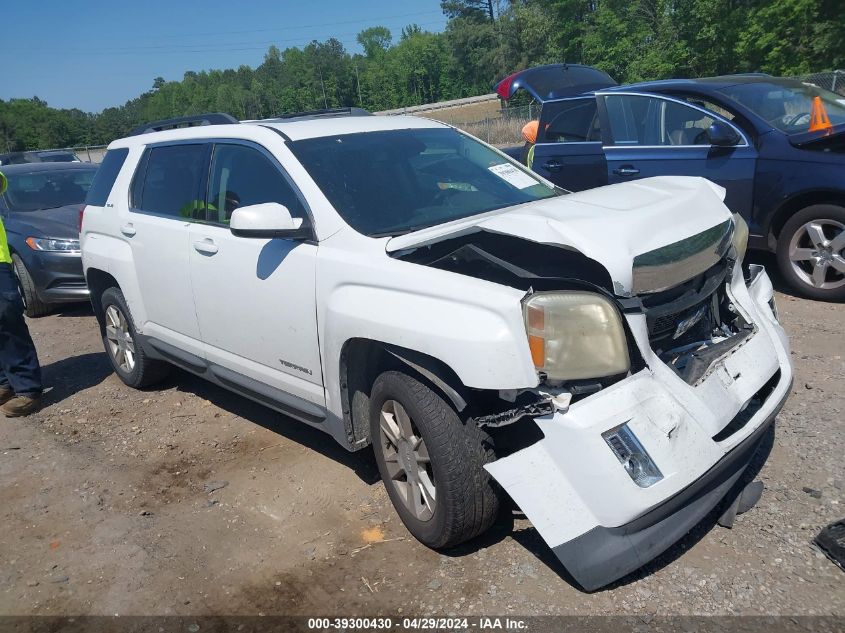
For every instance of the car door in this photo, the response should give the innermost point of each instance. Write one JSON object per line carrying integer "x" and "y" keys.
{"x": 655, "y": 135}
{"x": 255, "y": 298}
{"x": 569, "y": 145}
{"x": 166, "y": 184}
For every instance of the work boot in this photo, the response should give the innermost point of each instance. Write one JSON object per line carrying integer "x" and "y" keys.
{"x": 6, "y": 394}
{"x": 20, "y": 406}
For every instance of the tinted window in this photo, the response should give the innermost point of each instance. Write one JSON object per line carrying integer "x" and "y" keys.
{"x": 396, "y": 181}
{"x": 241, "y": 176}
{"x": 105, "y": 177}
{"x": 171, "y": 181}
{"x": 640, "y": 120}
{"x": 48, "y": 189}
{"x": 574, "y": 121}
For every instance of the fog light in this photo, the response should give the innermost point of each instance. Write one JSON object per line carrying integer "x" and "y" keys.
{"x": 633, "y": 457}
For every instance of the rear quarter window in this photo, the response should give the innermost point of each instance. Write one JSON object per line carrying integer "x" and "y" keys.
{"x": 104, "y": 179}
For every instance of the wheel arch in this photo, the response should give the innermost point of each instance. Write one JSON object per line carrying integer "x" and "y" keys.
{"x": 98, "y": 282}
{"x": 361, "y": 362}
{"x": 795, "y": 203}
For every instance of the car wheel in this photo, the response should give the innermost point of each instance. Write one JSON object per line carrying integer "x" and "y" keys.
{"x": 127, "y": 357}
{"x": 431, "y": 462}
{"x": 811, "y": 252}
{"x": 33, "y": 306}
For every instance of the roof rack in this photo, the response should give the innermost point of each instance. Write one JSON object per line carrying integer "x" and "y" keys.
{"x": 194, "y": 120}
{"x": 321, "y": 114}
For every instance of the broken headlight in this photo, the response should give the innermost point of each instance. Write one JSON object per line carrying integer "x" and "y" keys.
{"x": 633, "y": 457}
{"x": 575, "y": 335}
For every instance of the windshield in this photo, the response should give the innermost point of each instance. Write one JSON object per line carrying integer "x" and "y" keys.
{"x": 787, "y": 104}
{"x": 48, "y": 189}
{"x": 397, "y": 181}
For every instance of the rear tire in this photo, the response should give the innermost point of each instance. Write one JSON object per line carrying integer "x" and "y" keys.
{"x": 811, "y": 252}
{"x": 33, "y": 306}
{"x": 127, "y": 356}
{"x": 445, "y": 456}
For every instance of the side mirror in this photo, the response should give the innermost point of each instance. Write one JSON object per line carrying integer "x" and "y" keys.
{"x": 3, "y": 183}
{"x": 267, "y": 220}
{"x": 722, "y": 135}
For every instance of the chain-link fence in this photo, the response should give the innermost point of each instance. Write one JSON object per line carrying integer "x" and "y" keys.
{"x": 503, "y": 129}
{"x": 89, "y": 153}
{"x": 833, "y": 80}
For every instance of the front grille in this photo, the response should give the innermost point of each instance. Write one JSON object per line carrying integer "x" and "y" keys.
{"x": 666, "y": 310}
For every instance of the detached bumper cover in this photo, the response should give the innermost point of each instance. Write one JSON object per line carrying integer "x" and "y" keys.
{"x": 572, "y": 488}
{"x": 603, "y": 555}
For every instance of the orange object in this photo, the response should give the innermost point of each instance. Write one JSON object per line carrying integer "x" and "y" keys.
{"x": 529, "y": 131}
{"x": 537, "y": 346}
{"x": 818, "y": 116}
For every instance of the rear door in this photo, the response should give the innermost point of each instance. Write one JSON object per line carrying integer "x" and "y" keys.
{"x": 655, "y": 135}
{"x": 165, "y": 190}
{"x": 569, "y": 145}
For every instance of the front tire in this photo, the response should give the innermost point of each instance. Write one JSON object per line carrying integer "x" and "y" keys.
{"x": 33, "y": 306}
{"x": 127, "y": 356}
{"x": 811, "y": 252}
{"x": 431, "y": 462}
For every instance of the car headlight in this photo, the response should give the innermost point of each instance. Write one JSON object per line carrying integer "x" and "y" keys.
{"x": 49, "y": 244}
{"x": 575, "y": 335}
{"x": 740, "y": 238}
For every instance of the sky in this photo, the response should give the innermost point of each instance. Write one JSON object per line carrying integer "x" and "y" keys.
{"x": 93, "y": 54}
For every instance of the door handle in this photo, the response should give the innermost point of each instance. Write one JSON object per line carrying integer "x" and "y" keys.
{"x": 553, "y": 165}
{"x": 128, "y": 229}
{"x": 626, "y": 170}
{"x": 206, "y": 246}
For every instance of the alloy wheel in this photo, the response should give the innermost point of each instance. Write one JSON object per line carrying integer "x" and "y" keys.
{"x": 817, "y": 254}
{"x": 407, "y": 461}
{"x": 119, "y": 338}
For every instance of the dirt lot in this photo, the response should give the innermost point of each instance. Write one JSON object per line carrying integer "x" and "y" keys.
{"x": 188, "y": 500}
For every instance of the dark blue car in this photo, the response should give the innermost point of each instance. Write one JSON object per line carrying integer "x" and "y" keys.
{"x": 40, "y": 211}
{"x": 776, "y": 145}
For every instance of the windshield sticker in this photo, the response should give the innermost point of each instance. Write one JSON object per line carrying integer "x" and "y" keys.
{"x": 513, "y": 176}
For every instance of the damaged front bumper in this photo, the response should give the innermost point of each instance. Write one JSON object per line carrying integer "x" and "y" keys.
{"x": 598, "y": 521}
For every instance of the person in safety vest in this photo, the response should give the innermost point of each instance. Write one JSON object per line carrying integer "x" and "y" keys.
{"x": 20, "y": 373}
{"x": 529, "y": 133}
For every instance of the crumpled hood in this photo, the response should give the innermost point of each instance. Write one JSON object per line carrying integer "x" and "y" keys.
{"x": 645, "y": 221}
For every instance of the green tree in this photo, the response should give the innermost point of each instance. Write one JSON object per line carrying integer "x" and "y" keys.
{"x": 375, "y": 41}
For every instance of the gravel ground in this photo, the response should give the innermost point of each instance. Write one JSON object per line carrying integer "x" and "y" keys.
{"x": 186, "y": 499}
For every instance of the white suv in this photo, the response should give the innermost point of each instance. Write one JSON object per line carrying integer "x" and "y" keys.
{"x": 602, "y": 357}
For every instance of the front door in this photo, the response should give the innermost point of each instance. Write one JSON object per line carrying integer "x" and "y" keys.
{"x": 569, "y": 145}
{"x": 255, "y": 298}
{"x": 652, "y": 135}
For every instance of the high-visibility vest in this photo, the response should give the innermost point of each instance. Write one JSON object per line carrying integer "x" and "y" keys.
{"x": 5, "y": 255}
{"x": 529, "y": 160}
